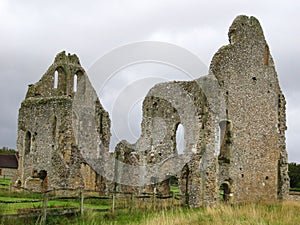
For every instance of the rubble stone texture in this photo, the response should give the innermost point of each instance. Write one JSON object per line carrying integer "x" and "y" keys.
{"x": 233, "y": 120}
{"x": 49, "y": 148}
{"x": 255, "y": 159}
{"x": 238, "y": 149}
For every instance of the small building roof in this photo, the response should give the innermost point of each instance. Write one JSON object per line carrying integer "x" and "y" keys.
{"x": 9, "y": 161}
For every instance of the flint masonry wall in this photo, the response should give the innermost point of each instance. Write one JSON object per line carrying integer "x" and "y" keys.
{"x": 255, "y": 163}
{"x": 47, "y": 143}
{"x": 165, "y": 107}
{"x": 233, "y": 119}
{"x": 240, "y": 151}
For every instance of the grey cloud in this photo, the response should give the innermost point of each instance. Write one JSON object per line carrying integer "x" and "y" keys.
{"x": 33, "y": 31}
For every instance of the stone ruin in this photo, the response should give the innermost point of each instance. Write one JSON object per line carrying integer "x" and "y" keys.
{"x": 233, "y": 119}
{"x": 47, "y": 143}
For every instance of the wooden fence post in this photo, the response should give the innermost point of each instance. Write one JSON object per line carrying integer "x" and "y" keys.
{"x": 81, "y": 202}
{"x": 113, "y": 204}
{"x": 154, "y": 199}
{"x": 44, "y": 209}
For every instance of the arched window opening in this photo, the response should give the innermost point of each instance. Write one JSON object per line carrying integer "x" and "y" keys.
{"x": 42, "y": 174}
{"x": 75, "y": 83}
{"x": 27, "y": 142}
{"x": 60, "y": 80}
{"x": 185, "y": 183}
{"x": 224, "y": 192}
{"x": 180, "y": 139}
{"x": 219, "y": 141}
{"x": 56, "y": 79}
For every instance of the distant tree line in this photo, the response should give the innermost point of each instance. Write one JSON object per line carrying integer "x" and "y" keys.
{"x": 6, "y": 150}
{"x": 294, "y": 173}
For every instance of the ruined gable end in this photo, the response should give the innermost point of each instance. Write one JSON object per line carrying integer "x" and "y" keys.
{"x": 61, "y": 79}
{"x": 50, "y": 154}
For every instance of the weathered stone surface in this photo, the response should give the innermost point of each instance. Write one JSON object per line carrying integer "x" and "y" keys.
{"x": 256, "y": 164}
{"x": 47, "y": 141}
{"x": 234, "y": 131}
{"x": 233, "y": 119}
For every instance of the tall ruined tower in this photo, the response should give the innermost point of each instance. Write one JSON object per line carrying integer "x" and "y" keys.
{"x": 253, "y": 158}
{"x": 47, "y": 143}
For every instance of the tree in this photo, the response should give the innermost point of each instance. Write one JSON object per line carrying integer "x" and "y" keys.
{"x": 6, "y": 150}
{"x": 294, "y": 173}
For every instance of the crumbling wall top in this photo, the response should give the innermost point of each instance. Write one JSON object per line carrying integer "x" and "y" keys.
{"x": 62, "y": 58}
{"x": 61, "y": 78}
{"x": 245, "y": 29}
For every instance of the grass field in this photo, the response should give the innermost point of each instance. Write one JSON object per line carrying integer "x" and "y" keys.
{"x": 4, "y": 184}
{"x": 150, "y": 212}
{"x": 5, "y": 181}
{"x": 14, "y": 208}
{"x": 286, "y": 213}
{"x": 272, "y": 213}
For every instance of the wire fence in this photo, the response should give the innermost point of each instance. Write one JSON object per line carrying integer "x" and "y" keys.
{"x": 25, "y": 203}
{"x": 5, "y": 183}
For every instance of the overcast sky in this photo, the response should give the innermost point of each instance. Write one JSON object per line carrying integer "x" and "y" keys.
{"x": 33, "y": 32}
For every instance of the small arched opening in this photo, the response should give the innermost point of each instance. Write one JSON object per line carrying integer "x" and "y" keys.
{"x": 55, "y": 85}
{"x": 180, "y": 139}
{"x": 60, "y": 80}
{"x": 75, "y": 80}
{"x": 184, "y": 183}
{"x": 43, "y": 176}
{"x": 224, "y": 192}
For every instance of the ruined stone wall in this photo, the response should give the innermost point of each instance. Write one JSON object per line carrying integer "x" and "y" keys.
{"x": 240, "y": 127}
{"x": 127, "y": 174}
{"x": 90, "y": 177}
{"x": 256, "y": 111}
{"x": 233, "y": 119}
{"x": 47, "y": 137}
{"x": 49, "y": 123}
{"x": 66, "y": 67}
{"x": 165, "y": 107}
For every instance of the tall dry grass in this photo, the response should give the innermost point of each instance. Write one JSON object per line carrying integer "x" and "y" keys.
{"x": 285, "y": 213}
{"x": 276, "y": 213}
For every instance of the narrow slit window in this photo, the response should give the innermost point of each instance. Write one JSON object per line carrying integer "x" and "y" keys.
{"x": 55, "y": 79}
{"x": 75, "y": 83}
{"x": 219, "y": 140}
{"x": 180, "y": 139}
